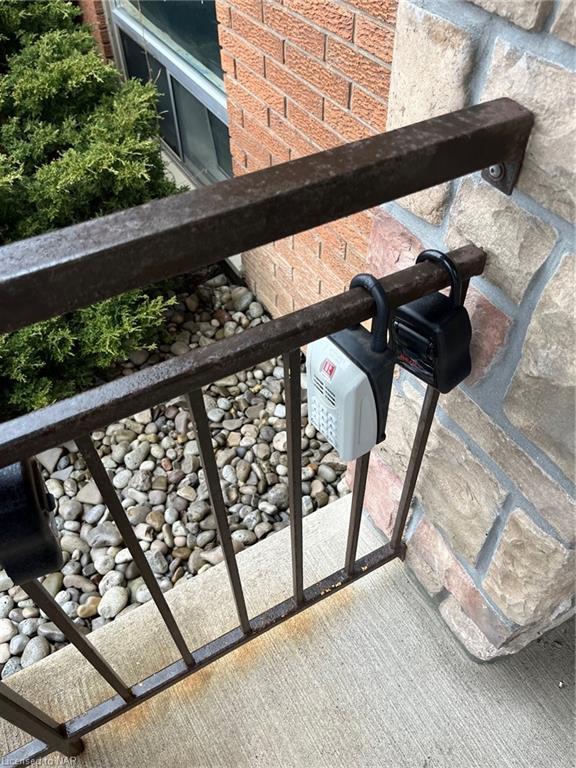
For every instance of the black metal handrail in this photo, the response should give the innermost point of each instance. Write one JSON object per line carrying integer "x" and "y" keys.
{"x": 231, "y": 216}
{"x": 70, "y": 268}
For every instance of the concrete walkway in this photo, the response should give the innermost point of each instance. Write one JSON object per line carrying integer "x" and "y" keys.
{"x": 370, "y": 678}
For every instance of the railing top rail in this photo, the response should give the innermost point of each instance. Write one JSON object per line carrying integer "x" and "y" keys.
{"x": 90, "y": 410}
{"x": 76, "y": 266}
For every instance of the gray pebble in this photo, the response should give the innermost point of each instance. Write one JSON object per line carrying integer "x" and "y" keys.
{"x": 38, "y": 648}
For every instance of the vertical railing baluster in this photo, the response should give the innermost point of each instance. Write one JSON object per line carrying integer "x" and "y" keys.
{"x": 198, "y": 413}
{"x": 358, "y": 490}
{"x": 416, "y": 455}
{"x": 46, "y": 603}
{"x": 294, "y": 425}
{"x": 24, "y": 715}
{"x": 118, "y": 514}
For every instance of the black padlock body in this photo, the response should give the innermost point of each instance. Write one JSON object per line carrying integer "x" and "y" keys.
{"x": 29, "y": 542}
{"x": 432, "y": 339}
{"x": 356, "y": 344}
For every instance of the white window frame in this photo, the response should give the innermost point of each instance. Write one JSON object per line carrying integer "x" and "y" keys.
{"x": 203, "y": 89}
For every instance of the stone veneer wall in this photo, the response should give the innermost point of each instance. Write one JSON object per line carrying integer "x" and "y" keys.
{"x": 491, "y": 536}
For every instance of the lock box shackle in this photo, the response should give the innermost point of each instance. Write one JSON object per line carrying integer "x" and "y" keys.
{"x": 382, "y": 317}
{"x": 443, "y": 260}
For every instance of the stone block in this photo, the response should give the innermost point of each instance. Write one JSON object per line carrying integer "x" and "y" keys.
{"x": 392, "y": 246}
{"x": 468, "y": 633}
{"x": 426, "y": 45}
{"x": 541, "y": 398}
{"x": 490, "y": 328}
{"x": 549, "y": 498}
{"x": 400, "y": 429}
{"x": 516, "y": 243}
{"x": 383, "y": 490}
{"x": 548, "y": 90}
{"x": 428, "y": 552}
{"x": 531, "y": 573}
{"x": 460, "y": 495}
{"x": 564, "y": 24}
{"x": 528, "y": 14}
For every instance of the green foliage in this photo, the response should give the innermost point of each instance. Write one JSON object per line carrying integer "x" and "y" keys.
{"x": 55, "y": 75}
{"x": 21, "y": 20}
{"x": 75, "y": 142}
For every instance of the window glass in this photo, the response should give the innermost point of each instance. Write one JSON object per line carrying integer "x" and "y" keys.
{"x": 221, "y": 143}
{"x": 204, "y": 138}
{"x": 143, "y": 66}
{"x": 189, "y": 25}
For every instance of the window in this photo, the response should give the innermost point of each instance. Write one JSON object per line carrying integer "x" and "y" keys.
{"x": 174, "y": 43}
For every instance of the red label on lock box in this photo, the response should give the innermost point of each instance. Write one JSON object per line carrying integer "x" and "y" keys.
{"x": 329, "y": 368}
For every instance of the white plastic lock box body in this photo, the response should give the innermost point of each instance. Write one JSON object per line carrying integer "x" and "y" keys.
{"x": 341, "y": 402}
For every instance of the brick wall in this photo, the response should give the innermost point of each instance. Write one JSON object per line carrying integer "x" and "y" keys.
{"x": 93, "y": 15}
{"x": 302, "y": 76}
{"x": 491, "y": 535}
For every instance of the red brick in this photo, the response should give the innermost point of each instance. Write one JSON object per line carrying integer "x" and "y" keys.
{"x": 283, "y": 269}
{"x": 331, "y": 285}
{"x": 361, "y": 69}
{"x": 238, "y": 169}
{"x": 257, "y": 35}
{"x": 250, "y": 144}
{"x": 228, "y": 63}
{"x": 344, "y": 123}
{"x": 306, "y": 277}
{"x": 356, "y": 230}
{"x": 294, "y": 88}
{"x": 250, "y": 7}
{"x": 293, "y": 28}
{"x": 333, "y": 244}
{"x": 314, "y": 72}
{"x": 375, "y": 38}
{"x": 284, "y": 303}
{"x": 256, "y": 162}
{"x": 235, "y": 115}
{"x": 260, "y": 88}
{"x": 299, "y": 146}
{"x": 242, "y": 98}
{"x": 385, "y": 10}
{"x": 267, "y": 139}
{"x": 306, "y": 244}
{"x": 369, "y": 108}
{"x": 316, "y": 131}
{"x": 223, "y": 14}
{"x": 392, "y": 246}
{"x": 284, "y": 247}
{"x": 235, "y": 46}
{"x": 326, "y": 14}
{"x": 490, "y": 329}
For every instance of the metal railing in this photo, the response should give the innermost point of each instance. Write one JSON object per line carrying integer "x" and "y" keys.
{"x": 193, "y": 230}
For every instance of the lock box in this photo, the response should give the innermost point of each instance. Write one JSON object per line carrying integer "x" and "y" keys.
{"x": 29, "y": 545}
{"x": 432, "y": 334}
{"x": 349, "y": 380}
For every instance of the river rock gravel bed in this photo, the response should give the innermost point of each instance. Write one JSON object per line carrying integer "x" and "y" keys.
{"x": 154, "y": 463}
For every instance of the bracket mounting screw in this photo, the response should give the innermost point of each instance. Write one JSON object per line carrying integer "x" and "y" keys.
{"x": 497, "y": 172}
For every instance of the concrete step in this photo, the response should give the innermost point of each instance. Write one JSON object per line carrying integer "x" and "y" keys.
{"x": 370, "y": 677}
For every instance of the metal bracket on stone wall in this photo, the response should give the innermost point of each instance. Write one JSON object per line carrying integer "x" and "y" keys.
{"x": 504, "y": 176}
